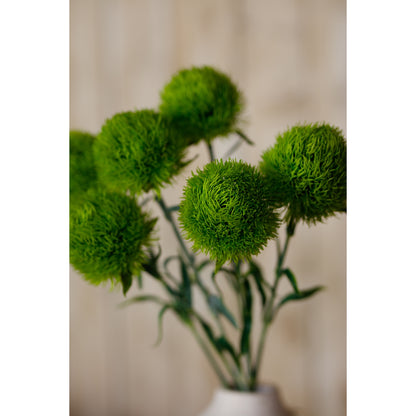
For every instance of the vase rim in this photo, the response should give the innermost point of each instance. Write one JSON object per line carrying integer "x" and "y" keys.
{"x": 262, "y": 388}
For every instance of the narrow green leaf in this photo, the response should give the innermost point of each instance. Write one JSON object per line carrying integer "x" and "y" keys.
{"x": 289, "y": 274}
{"x": 166, "y": 263}
{"x": 220, "y": 344}
{"x": 247, "y": 319}
{"x": 160, "y": 324}
{"x": 183, "y": 311}
{"x": 304, "y": 294}
{"x": 224, "y": 345}
{"x": 169, "y": 259}
{"x": 126, "y": 281}
{"x": 203, "y": 265}
{"x": 156, "y": 257}
{"x": 244, "y": 137}
{"x": 208, "y": 331}
{"x": 227, "y": 271}
{"x": 255, "y": 271}
{"x": 142, "y": 298}
{"x": 145, "y": 201}
{"x": 173, "y": 292}
{"x": 186, "y": 284}
{"x": 174, "y": 208}
{"x": 218, "y": 307}
{"x": 151, "y": 265}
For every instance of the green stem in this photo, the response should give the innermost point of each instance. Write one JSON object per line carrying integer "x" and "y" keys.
{"x": 244, "y": 137}
{"x": 268, "y": 311}
{"x": 169, "y": 217}
{"x": 233, "y": 148}
{"x": 209, "y": 356}
{"x": 241, "y": 297}
{"x": 210, "y": 151}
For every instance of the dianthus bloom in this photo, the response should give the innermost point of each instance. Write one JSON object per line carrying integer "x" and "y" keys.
{"x": 226, "y": 212}
{"x": 108, "y": 234}
{"x": 307, "y": 171}
{"x": 202, "y": 103}
{"x": 136, "y": 151}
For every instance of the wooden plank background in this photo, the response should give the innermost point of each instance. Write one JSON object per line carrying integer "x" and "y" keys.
{"x": 288, "y": 57}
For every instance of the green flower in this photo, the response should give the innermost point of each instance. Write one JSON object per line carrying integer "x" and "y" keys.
{"x": 82, "y": 172}
{"x": 107, "y": 237}
{"x": 136, "y": 151}
{"x": 307, "y": 170}
{"x": 202, "y": 103}
{"x": 226, "y": 212}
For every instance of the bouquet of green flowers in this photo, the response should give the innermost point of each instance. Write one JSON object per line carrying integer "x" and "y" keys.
{"x": 229, "y": 210}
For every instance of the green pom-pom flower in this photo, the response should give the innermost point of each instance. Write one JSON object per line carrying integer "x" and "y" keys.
{"x": 136, "y": 151}
{"x": 307, "y": 171}
{"x": 107, "y": 237}
{"x": 82, "y": 171}
{"x": 226, "y": 212}
{"x": 203, "y": 103}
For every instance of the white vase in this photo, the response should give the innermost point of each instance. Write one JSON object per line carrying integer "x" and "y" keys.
{"x": 262, "y": 402}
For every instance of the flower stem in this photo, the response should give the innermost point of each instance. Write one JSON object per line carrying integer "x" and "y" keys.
{"x": 209, "y": 356}
{"x": 244, "y": 137}
{"x": 210, "y": 151}
{"x": 268, "y": 311}
{"x": 169, "y": 218}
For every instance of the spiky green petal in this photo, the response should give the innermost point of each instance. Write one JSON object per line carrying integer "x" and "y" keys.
{"x": 203, "y": 103}
{"x": 136, "y": 151}
{"x": 107, "y": 236}
{"x": 82, "y": 171}
{"x": 307, "y": 170}
{"x": 225, "y": 211}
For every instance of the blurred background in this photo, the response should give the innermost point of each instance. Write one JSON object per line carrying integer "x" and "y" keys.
{"x": 288, "y": 59}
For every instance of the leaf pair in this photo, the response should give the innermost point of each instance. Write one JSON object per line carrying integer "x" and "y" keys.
{"x": 219, "y": 343}
{"x": 297, "y": 294}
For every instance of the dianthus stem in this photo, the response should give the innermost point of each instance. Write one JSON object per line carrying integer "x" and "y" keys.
{"x": 244, "y": 137}
{"x": 209, "y": 356}
{"x": 168, "y": 216}
{"x": 268, "y": 311}
{"x": 211, "y": 151}
{"x": 233, "y": 148}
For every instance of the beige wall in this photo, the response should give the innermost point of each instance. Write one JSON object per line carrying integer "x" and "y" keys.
{"x": 288, "y": 57}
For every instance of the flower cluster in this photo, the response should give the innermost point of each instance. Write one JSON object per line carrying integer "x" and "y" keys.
{"x": 229, "y": 210}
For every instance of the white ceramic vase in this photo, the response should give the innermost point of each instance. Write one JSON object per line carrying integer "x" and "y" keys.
{"x": 263, "y": 402}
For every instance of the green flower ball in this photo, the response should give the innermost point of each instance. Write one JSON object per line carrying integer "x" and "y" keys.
{"x": 82, "y": 171}
{"x": 307, "y": 170}
{"x": 107, "y": 237}
{"x": 225, "y": 211}
{"x": 203, "y": 103}
{"x": 136, "y": 151}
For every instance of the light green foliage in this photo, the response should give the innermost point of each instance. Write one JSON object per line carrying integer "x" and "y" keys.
{"x": 107, "y": 237}
{"x": 307, "y": 171}
{"x": 82, "y": 173}
{"x": 203, "y": 103}
{"x": 137, "y": 151}
{"x": 226, "y": 212}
